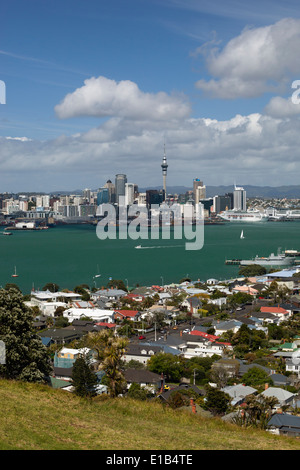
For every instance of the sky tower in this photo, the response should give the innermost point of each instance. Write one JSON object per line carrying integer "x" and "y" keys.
{"x": 164, "y": 167}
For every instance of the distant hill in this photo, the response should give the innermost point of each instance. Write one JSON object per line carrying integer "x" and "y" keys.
{"x": 289, "y": 192}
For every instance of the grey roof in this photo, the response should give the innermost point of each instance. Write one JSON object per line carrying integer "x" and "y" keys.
{"x": 239, "y": 390}
{"x": 136, "y": 349}
{"x": 245, "y": 367}
{"x": 164, "y": 347}
{"x": 285, "y": 420}
{"x": 141, "y": 376}
{"x": 227, "y": 325}
{"x": 283, "y": 396}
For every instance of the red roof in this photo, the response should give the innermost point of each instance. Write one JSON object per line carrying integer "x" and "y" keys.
{"x": 204, "y": 335}
{"x": 127, "y": 313}
{"x": 109, "y": 325}
{"x": 273, "y": 310}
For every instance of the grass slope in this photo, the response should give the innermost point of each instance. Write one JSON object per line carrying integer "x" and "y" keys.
{"x": 34, "y": 417}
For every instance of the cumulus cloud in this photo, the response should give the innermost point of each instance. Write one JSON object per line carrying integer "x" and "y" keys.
{"x": 249, "y": 149}
{"x": 103, "y": 97}
{"x": 259, "y": 60}
{"x": 282, "y": 107}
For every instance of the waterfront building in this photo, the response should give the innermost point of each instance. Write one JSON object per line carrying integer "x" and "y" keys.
{"x": 221, "y": 203}
{"x": 239, "y": 199}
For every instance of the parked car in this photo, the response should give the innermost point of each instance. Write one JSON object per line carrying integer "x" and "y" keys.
{"x": 142, "y": 337}
{"x": 186, "y": 330}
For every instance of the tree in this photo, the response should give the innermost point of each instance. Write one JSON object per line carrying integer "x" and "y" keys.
{"x": 137, "y": 392}
{"x": 26, "y": 358}
{"x": 110, "y": 350}
{"x": 252, "y": 270}
{"x": 165, "y": 363}
{"x": 256, "y": 412}
{"x": 117, "y": 283}
{"x": 51, "y": 286}
{"x": 256, "y": 377}
{"x": 217, "y": 402}
{"x": 85, "y": 296}
{"x": 83, "y": 379}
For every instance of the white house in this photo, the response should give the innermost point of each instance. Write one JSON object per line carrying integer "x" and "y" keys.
{"x": 95, "y": 314}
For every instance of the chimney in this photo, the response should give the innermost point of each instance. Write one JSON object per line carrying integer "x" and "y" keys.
{"x": 266, "y": 386}
{"x": 193, "y": 406}
{"x": 161, "y": 382}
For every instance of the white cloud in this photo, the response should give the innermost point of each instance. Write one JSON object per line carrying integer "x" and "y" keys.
{"x": 252, "y": 149}
{"x": 103, "y": 97}
{"x": 282, "y": 107}
{"x": 259, "y": 60}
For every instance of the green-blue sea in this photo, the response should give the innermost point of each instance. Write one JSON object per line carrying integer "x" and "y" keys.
{"x": 73, "y": 254}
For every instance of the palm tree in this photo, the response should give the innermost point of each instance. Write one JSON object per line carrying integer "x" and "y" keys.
{"x": 110, "y": 350}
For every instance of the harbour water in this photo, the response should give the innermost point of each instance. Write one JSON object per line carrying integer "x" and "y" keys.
{"x": 72, "y": 255}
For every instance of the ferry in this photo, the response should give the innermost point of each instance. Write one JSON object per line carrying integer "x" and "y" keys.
{"x": 243, "y": 216}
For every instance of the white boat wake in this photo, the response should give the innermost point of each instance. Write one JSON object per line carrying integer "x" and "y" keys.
{"x": 140, "y": 247}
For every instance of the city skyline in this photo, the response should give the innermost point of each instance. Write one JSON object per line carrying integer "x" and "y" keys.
{"x": 99, "y": 90}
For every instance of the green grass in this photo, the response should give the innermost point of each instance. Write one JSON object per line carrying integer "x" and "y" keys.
{"x": 35, "y": 417}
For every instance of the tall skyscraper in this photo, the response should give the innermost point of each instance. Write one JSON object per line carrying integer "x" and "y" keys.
{"x": 120, "y": 182}
{"x": 111, "y": 191}
{"x": 129, "y": 193}
{"x": 239, "y": 199}
{"x": 164, "y": 167}
{"x": 199, "y": 190}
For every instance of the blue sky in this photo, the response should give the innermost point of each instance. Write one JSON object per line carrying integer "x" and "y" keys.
{"x": 94, "y": 88}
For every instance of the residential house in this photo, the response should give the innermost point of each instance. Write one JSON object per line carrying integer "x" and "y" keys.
{"x": 108, "y": 295}
{"x": 224, "y": 327}
{"x": 238, "y": 393}
{"x": 193, "y": 304}
{"x": 282, "y": 396}
{"x": 66, "y": 357}
{"x": 132, "y": 315}
{"x": 59, "y": 335}
{"x": 141, "y": 352}
{"x": 245, "y": 289}
{"x": 280, "y": 313}
{"x": 145, "y": 378}
{"x": 284, "y": 424}
{"x": 96, "y": 314}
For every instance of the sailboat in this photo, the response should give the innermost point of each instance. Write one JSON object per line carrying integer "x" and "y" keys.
{"x": 242, "y": 234}
{"x": 15, "y": 273}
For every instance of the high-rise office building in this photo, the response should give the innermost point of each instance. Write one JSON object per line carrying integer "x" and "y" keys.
{"x": 120, "y": 182}
{"x": 111, "y": 191}
{"x": 102, "y": 196}
{"x": 199, "y": 190}
{"x": 222, "y": 203}
{"x": 239, "y": 199}
{"x": 129, "y": 193}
